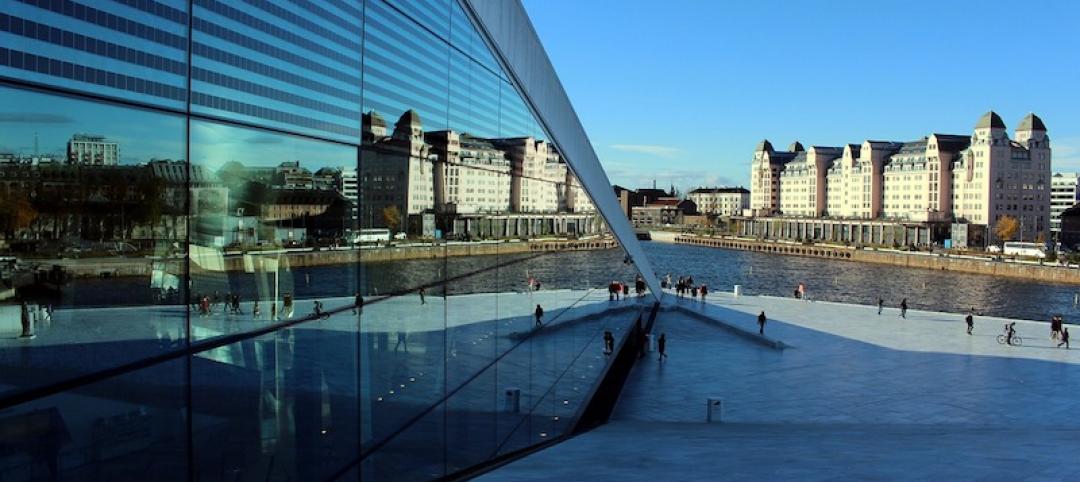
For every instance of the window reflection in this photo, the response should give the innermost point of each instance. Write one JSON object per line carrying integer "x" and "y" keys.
{"x": 92, "y": 229}
{"x": 272, "y": 227}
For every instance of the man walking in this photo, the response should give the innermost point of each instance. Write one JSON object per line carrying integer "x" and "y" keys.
{"x": 880, "y": 305}
{"x": 422, "y": 300}
{"x": 358, "y": 303}
{"x": 1064, "y": 338}
{"x": 539, "y": 313}
{"x": 609, "y": 343}
{"x": 761, "y": 323}
{"x": 661, "y": 346}
{"x": 903, "y": 308}
{"x": 970, "y": 322}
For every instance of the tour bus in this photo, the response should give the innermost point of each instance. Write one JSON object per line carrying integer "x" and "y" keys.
{"x": 1016, "y": 248}
{"x": 372, "y": 235}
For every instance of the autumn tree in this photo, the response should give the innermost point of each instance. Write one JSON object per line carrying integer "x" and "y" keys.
{"x": 392, "y": 218}
{"x": 1007, "y": 227}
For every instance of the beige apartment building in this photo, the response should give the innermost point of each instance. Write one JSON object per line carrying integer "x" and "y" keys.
{"x": 721, "y": 201}
{"x": 940, "y": 178}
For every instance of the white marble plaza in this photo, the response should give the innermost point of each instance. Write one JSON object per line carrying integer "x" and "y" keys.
{"x": 854, "y": 396}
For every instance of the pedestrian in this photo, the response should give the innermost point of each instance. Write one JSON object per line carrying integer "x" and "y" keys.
{"x": 704, "y": 291}
{"x": 358, "y": 303}
{"x": 802, "y": 290}
{"x": 536, "y": 285}
{"x": 639, "y": 286}
{"x": 273, "y": 310}
{"x": 970, "y": 322}
{"x": 693, "y": 292}
{"x": 880, "y": 305}
{"x": 1055, "y": 327}
{"x": 661, "y": 346}
{"x": 255, "y": 312}
{"x": 539, "y": 313}
{"x": 609, "y": 343}
{"x": 796, "y": 294}
{"x": 402, "y": 340}
{"x": 611, "y": 291}
{"x": 625, "y": 291}
{"x": 903, "y": 308}
{"x": 1064, "y": 338}
{"x": 761, "y": 323}
{"x": 422, "y": 300}
{"x": 24, "y": 319}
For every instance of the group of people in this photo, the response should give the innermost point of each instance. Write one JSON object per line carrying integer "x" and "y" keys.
{"x": 1058, "y": 331}
{"x": 31, "y": 315}
{"x": 685, "y": 286}
{"x": 206, "y": 305}
{"x": 903, "y": 307}
{"x": 618, "y": 290}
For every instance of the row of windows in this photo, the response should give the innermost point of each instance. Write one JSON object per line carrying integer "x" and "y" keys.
{"x": 234, "y": 83}
{"x": 110, "y": 21}
{"x": 57, "y": 68}
{"x": 45, "y": 33}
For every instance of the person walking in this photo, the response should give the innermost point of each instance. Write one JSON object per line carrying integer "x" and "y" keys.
{"x": 625, "y": 291}
{"x": 422, "y": 300}
{"x": 880, "y": 305}
{"x": 761, "y": 323}
{"x": 358, "y": 303}
{"x": 661, "y": 346}
{"x": 704, "y": 291}
{"x": 539, "y": 313}
{"x": 802, "y": 290}
{"x": 903, "y": 308}
{"x": 970, "y": 322}
{"x": 609, "y": 343}
{"x": 1064, "y": 338}
{"x": 255, "y": 312}
{"x": 1055, "y": 327}
{"x": 693, "y": 292}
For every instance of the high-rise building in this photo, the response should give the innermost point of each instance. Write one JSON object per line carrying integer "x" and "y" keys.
{"x": 1064, "y": 194}
{"x": 272, "y": 284}
{"x": 92, "y": 150}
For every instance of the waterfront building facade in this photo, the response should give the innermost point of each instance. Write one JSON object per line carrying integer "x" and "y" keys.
{"x": 720, "y": 201}
{"x": 215, "y": 187}
{"x": 1064, "y": 194}
{"x": 940, "y": 178}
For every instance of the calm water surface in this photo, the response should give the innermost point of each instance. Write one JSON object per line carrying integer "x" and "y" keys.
{"x": 863, "y": 283}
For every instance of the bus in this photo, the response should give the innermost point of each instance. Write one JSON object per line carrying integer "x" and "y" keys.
{"x": 372, "y": 235}
{"x": 1016, "y": 248}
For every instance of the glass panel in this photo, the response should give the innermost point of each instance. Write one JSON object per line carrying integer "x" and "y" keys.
{"x": 271, "y": 221}
{"x": 92, "y": 202}
{"x": 131, "y": 427}
{"x": 285, "y": 65}
{"x": 280, "y": 406}
{"x": 131, "y": 50}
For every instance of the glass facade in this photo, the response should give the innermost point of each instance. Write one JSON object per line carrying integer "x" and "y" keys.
{"x": 311, "y": 240}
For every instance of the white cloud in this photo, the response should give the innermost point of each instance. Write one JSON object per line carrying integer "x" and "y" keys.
{"x": 662, "y": 151}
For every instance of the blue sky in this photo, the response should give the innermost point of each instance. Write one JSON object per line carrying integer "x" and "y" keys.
{"x": 682, "y": 91}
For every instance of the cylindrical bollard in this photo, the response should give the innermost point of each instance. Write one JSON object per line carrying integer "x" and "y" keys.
{"x": 513, "y": 400}
{"x": 738, "y": 290}
{"x": 714, "y": 409}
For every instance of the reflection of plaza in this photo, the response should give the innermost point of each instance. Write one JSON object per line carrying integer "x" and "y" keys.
{"x": 410, "y": 356}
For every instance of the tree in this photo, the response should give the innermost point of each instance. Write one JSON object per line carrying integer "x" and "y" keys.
{"x": 392, "y": 218}
{"x": 1007, "y": 227}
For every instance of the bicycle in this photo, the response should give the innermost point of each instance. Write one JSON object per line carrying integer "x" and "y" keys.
{"x": 1016, "y": 340}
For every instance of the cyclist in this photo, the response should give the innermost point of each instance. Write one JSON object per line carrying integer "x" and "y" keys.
{"x": 318, "y": 308}
{"x": 1010, "y": 330}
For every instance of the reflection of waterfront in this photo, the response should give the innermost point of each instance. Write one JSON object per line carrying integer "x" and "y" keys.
{"x": 575, "y": 269}
{"x": 863, "y": 283}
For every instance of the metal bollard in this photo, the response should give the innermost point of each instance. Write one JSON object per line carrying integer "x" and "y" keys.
{"x": 513, "y": 400}
{"x": 738, "y": 290}
{"x": 714, "y": 409}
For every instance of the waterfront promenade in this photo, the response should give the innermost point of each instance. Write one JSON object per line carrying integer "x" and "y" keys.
{"x": 854, "y": 395}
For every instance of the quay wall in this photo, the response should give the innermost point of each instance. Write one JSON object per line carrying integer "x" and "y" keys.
{"x": 1034, "y": 272}
{"x": 117, "y": 267}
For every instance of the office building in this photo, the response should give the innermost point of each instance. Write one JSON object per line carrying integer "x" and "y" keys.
{"x": 1064, "y": 194}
